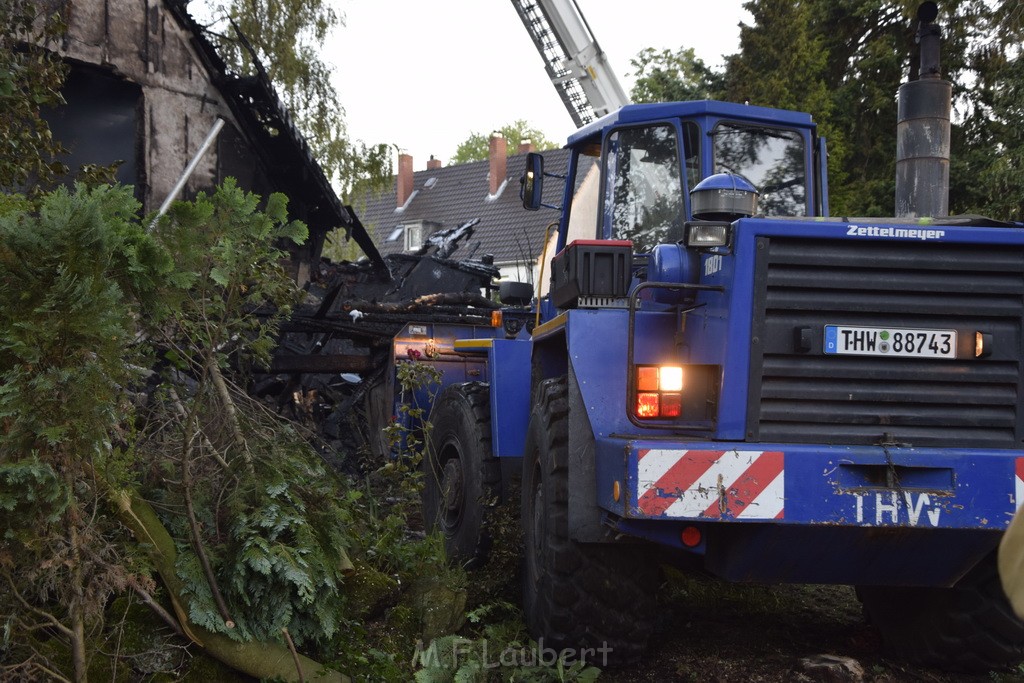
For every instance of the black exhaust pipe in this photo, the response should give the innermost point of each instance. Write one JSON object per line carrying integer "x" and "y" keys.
{"x": 923, "y": 129}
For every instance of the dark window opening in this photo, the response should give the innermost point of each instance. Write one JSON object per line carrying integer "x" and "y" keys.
{"x": 99, "y": 124}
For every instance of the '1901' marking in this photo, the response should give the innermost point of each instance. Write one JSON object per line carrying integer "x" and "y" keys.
{"x": 713, "y": 264}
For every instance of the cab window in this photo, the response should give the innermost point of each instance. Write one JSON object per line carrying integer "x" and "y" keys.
{"x": 772, "y": 159}
{"x": 643, "y": 194}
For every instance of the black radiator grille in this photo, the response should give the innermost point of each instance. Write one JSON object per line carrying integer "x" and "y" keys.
{"x": 800, "y": 394}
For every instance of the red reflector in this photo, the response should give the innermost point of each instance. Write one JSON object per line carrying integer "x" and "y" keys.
{"x": 647, "y": 378}
{"x": 671, "y": 405}
{"x": 647, "y": 405}
{"x": 690, "y": 537}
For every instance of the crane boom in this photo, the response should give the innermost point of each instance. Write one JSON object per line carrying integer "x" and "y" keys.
{"x": 574, "y": 61}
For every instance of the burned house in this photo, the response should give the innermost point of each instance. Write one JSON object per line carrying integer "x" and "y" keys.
{"x": 146, "y": 88}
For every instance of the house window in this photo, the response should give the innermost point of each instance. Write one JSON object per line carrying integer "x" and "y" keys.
{"x": 416, "y": 233}
{"x": 413, "y": 236}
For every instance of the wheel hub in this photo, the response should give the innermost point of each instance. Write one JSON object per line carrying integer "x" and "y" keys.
{"x": 451, "y": 486}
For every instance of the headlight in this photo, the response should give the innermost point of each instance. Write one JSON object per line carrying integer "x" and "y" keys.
{"x": 707, "y": 234}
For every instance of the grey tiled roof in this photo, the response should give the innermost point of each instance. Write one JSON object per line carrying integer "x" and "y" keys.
{"x": 453, "y": 195}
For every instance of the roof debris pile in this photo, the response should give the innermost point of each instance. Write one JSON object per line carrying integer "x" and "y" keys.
{"x": 337, "y": 344}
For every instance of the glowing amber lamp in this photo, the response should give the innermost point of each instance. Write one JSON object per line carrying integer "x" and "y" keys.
{"x": 647, "y": 404}
{"x": 647, "y": 378}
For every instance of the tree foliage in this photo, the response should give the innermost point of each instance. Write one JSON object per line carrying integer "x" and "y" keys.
{"x": 73, "y": 276}
{"x": 668, "y": 76}
{"x": 30, "y": 78}
{"x": 843, "y": 63}
{"x": 88, "y": 298}
{"x": 988, "y": 147}
{"x": 477, "y": 146}
{"x": 789, "y": 73}
{"x": 286, "y": 39}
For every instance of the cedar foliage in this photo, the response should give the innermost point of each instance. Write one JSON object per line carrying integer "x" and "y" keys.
{"x": 122, "y": 366}
{"x": 73, "y": 274}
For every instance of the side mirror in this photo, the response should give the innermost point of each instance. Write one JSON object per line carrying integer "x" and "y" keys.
{"x": 531, "y": 189}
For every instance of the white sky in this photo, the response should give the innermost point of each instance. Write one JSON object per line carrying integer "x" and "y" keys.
{"x": 424, "y": 75}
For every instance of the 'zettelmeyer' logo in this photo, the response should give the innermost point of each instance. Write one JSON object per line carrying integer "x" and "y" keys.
{"x": 895, "y": 233}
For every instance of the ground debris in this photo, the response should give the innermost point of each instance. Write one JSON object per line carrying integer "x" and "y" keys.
{"x": 713, "y": 630}
{"x": 829, "y": 669}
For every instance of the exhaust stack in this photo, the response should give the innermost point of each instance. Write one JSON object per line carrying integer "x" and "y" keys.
{"x": 923, "y": 129}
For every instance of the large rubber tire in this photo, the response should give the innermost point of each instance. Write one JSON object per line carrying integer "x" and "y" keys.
{"x": 969, "y": 627}
{"x": 577, "y": 595}
{"x": 461, "y": 474}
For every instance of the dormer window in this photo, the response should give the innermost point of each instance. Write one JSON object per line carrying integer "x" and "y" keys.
{"x": 415, "y": 233}
{"x": 413, "y": 236}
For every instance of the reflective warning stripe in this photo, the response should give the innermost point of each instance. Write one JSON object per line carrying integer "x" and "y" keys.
{"x": 711, "y": 484}
{"x": 1018, "y": 490}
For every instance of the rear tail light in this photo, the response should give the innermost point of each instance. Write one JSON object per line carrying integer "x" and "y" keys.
{"x": 671, "y": 405}
{"x": 648, "y": 404}
{"x": 658, "y": 391}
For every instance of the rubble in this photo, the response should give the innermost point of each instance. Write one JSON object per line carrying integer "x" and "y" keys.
{"x": 337, "y": 344}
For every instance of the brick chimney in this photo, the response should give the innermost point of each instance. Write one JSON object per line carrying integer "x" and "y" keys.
{"x": 433, "y": 164}
{"x": 497, "y": 156}
{"x": 525, "y": 145}
{"x": 405, "y": 180}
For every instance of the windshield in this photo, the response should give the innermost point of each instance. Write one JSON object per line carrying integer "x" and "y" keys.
{"x": 643, "y": 196}
{"x": 772, "y": 159}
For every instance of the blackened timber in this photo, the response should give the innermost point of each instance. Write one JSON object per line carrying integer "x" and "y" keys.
{"x": 319, "y": 363}
{"x": 427, "y": 301}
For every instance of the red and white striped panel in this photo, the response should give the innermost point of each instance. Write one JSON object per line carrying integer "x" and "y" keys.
{"x": 733, "y": 484}
{"x": 1018, "y": 489}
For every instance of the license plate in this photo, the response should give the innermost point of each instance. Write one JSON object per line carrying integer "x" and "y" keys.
{"x": 890, "y": 341}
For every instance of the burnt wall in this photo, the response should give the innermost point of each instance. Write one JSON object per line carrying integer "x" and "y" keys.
{"x": 138, "y": 42}
{"x": 144, "y": 72}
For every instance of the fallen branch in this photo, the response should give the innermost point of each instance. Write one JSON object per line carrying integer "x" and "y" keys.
{"x": 262, "y": 660}
{"x": 295, "y": 654}
{"x": 180, "y": 408}
{"x": 51, "y": 620}
{"x": 229, "y": 406}
{"x": 196, "y": 536}
{"x": 158, "y": 609}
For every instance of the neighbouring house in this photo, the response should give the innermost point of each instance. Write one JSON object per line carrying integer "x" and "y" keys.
{"x": 445, "y": 197}
{"x": 146, "y": 87}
